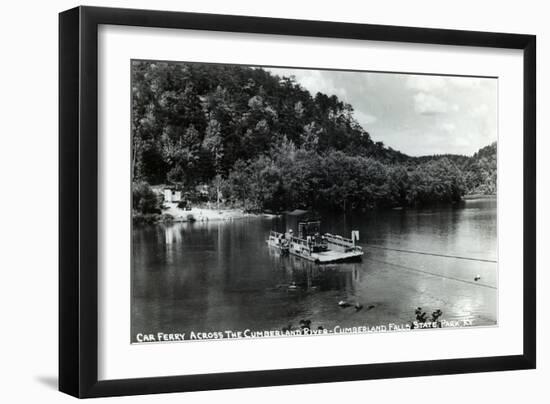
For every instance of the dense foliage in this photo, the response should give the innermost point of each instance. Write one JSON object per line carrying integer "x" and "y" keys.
{"x": 481, "y": 171}
{"x": 268, "y": 144}
{"x": 146, "y": 205}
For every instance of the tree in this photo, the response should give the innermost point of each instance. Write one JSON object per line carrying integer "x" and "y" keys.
{"x": 310, "y": 136}
{"x": 213, "y": 143}
{"x": 144, "y": 200}
{"x": 238, "y": 182}
{"x": 182, "y": 156}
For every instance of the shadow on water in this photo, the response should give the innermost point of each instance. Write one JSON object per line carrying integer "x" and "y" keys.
{"x": 297, "y": 273}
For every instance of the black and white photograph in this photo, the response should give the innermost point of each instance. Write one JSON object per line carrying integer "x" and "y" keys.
{"x": 272, "y": 202}
{"x": 275, "y": 202}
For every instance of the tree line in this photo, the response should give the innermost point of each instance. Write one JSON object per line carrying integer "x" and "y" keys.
{"x": 268, "y": 144}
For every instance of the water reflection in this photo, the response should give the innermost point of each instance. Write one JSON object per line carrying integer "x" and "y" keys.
{"x": 212, "y": 276}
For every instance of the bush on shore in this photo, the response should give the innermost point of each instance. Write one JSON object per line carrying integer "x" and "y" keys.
{"x": 144, "y": 199}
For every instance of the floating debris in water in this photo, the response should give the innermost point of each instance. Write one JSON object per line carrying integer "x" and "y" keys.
{"x": 435, "y": 317}
{"x": 420, "y": 315}
{"x": 422, "y": 319}
{"x": 287, "y": 328}
{"x": 436, "y": 314}
{"x": 305, "y": 324}
{"x": 293, "y": 286}
{"x": 358, "y": 306}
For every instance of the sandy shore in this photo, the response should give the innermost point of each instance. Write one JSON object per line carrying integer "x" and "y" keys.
{"x": 203, "y": 214}
{"x": 478, "y": 196}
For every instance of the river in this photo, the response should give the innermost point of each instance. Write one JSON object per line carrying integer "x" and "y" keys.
{"x": 221, "y": 275}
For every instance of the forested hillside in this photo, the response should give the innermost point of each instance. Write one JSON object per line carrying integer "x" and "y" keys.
{"x": 480, "y": 171}
{"x": 268, "y": 144}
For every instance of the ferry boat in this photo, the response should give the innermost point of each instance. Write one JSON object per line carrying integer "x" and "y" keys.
{"x": 309, "y": 244}
{"x": 278, "y": 240}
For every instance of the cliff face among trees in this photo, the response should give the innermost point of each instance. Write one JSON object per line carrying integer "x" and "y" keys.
{"x": 267, "y": 143}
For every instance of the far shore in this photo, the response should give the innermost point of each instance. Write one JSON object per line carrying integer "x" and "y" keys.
{"x": 171, "y": 213}
{"x": 478, "y": 196}
{"x": 207, "y": 214}
{"x": 202, "y": 214}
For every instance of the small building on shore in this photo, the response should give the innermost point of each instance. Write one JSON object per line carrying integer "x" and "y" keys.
{"x": 171, "y": 195}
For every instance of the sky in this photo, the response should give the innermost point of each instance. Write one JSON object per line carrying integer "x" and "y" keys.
{"x": 415, "y": 114}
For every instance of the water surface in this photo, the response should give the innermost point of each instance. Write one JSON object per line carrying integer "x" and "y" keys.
{"x": 216, "y": 276}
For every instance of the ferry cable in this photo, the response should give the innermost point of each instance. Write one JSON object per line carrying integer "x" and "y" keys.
{"x": 432, "y": 273}
{"x": 433, "y": 254}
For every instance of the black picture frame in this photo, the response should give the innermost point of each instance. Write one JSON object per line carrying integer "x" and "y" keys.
{"x": 78, "y": 200}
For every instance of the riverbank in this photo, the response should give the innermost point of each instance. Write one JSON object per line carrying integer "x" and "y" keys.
{"x": 204, "y": 214}
{"x": 478, "y": 196}
{"x": 172, "y": 214}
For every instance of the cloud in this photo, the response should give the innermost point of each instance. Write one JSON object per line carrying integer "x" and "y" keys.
{"x": 364, "y": 118}
{"x": 416, "y": 114}
{"x": 448, "y": 127}
{"x": 426, "y": 84}
{"x": 428, "y": 104}
{"x": 480, "y": 110}
{"x": 465, "y": 82}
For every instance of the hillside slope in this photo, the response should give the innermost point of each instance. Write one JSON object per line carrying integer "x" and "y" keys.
{"x": 265, "y": 142}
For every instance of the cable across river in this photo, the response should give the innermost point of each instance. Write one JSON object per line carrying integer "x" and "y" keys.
{"x": 432, "y": 254}
{"x": 432, "y": 273}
